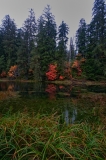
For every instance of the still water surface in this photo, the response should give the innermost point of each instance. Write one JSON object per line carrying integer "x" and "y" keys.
{"x": 76, "y": 103}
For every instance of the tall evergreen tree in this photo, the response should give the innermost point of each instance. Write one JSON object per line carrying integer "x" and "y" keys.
{"x": 22, "y": 58}
{"x": 2, "y": 58}
{"x": 62, "y": 45}
{"x": 72, "y": 51}
{"x": 46, "y": 39}
{"x": 62, "y": 39}
{"x": 97, "y": 27}
{"x": 96, "y": 42}
{"x": 81, "y": 37}
{"x": 26, "y": 44}
{"x": 29, "y": 28}
{"x": 36, "y": 62}
{"x": 99, "y": 21}
{"x": 9, "y": 41}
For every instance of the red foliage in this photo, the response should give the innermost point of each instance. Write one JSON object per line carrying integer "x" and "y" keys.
{"x": 12, "y": 73}
{"x": 76, "y": 65}
{"x": 51, "y": 89}
{"x": 3, "y": 74}
{"x": 52, "y": 73}
{"x": 61, "y": 87}
{"x": 61, "y": 77}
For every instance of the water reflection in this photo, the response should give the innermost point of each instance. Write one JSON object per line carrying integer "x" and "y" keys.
{"x": 28, "y": 89}
{"x": 70, "y": 112}
{"x": 70, "y": 119}
{"x": 51, "y": 90}
{"x": 43, "y": 97}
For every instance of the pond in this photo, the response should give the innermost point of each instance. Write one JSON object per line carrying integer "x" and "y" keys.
{"x": 75, "y": 103}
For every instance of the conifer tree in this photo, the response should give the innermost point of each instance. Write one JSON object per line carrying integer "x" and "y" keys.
{"x": 9, "y": 41}
{"x": 22, "y": 58}
{"x": 36, "y": 62}
{"x": 62, "y": 39}
{"x": 72, "y": 51}
{"x": 2, "y": 58}
{"x": 46, "y": 40}
{"x": 81, "y": 37}
{"x": 62, "y": 45}
{"x": 26, "y": 44}
{"x": 29, "y": 28}
{"x": 96, "y": 36}
{"x": 99, "y": 20}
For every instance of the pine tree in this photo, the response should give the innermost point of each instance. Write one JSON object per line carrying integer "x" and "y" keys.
{"x": 35, "y": 65}
{"x": 26, "y": 44}
{"x": 9, "y": 41}
{"x": 62, "y": 39}
{"x": 99, "y": 21}
{"x": 97, "y": 27}
{"x": 22, "y": 58}
{"x": 81, "y": 37}
{"x": 29, "y": 28}
{"x": 46, "y": 40}
{"x": 62, "y": 46}
{"x": 72, "y": 51}
{"x": 96, "y": 36}
{"x": 2, "y": 58}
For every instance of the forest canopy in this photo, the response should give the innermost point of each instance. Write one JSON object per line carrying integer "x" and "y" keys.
{"x": 39, "y": 49}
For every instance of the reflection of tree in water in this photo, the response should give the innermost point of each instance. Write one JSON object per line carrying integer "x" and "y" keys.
{"x": 51, "y": 89}
{"x": 11, "y": 87}
{"x": 3, "y": 86}
{"x": 8, "y": 86}
{"x": 32, "y": 90}
{"x": 82, "y": 110}
{"x": 70, "y": 113}
{"x": 70, "y": 118}
{"x": 26, "y": 88}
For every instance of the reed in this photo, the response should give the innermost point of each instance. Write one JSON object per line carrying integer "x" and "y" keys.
{"x": 43, "y": 137}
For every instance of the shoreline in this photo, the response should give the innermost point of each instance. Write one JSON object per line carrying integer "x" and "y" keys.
{"x": 64, "y": 82}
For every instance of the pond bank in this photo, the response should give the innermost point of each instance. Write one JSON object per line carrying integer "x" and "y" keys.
{"x": 64, "y": 82}
{"x": 80, "y": 82}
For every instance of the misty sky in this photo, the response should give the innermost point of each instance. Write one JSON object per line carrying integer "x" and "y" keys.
{"x": 70, "y": 11}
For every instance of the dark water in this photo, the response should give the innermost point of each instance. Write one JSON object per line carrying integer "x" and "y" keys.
{"x": 74, "y": 103}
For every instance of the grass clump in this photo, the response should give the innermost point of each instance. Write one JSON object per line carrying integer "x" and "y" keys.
{"x": 30, "y": 137}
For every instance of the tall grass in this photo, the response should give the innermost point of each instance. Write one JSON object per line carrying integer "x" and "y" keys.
{"x": 42, "y": 137}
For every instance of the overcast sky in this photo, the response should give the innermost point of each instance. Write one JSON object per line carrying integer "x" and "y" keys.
{"x": 70, "y": 11}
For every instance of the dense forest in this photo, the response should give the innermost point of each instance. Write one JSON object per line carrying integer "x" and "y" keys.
{"x": 39, "y": 49}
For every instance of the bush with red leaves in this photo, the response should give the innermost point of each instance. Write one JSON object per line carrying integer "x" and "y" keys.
{"x": 76, "y": 65}
{"x": 61, "y": 77}
{"x": 13, "y": 72}
{"x": 52, "y": 73}
{"x": 3, "y": 74}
